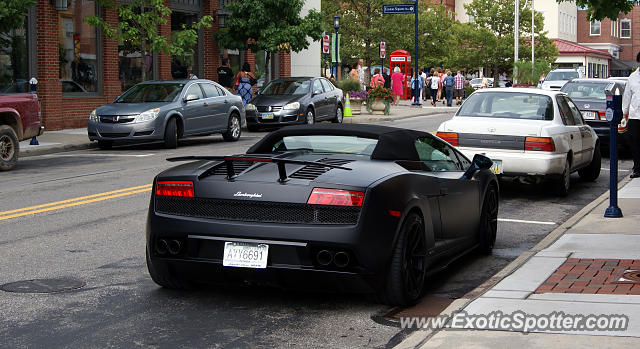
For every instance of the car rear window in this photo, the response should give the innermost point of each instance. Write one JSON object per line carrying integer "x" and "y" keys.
{"x": 509, "y": 105}
{"x": 327, "y": 144}
{"x": 585, "y": 90}
{"x": 144, "y": 93}
{"x": 562, "y": 75}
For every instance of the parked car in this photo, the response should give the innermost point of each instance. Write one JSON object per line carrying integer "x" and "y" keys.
{"x": 621, "y": 78}
{"x": 367, "y": 208}
{"x": 19, "y": 120}
{"x": 589, "y": 96}
{"x": 558, "y": 77}
{"x": 168, "y": 110}
{"x": 477, "y": 83}
{"x": 526, "y": 132}
{"x": 295, "y": 100}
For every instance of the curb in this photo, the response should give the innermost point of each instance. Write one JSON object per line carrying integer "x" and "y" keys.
{"x": 420, "y": 337}
{"x": 56, "y": 149}
{"x": 370, "y": 119}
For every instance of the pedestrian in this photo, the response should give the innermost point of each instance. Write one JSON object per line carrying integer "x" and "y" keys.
{"x": 439, "y": 72}
{"x": 353, "y": 74}
{"x": 225, "y": 74}
{"x": 458, "y": 91}
{"x": 190, "y": 74}
{"x": 435, "y": 84}
{"x": 631, "y": 110}
{"x": 449, "y": 83}
{"x": 416, "y": 84}
{"x": 361, "y": 77}
{"x": 397, "y": 85}
{"x": 424, "y": 80}
{"x": 244, "y": 81}
{"x": 387, "y": 78}
{"x": 377, "y": 79}
{"x": 485, "y": 81}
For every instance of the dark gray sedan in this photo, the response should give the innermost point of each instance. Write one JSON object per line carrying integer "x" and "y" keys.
{"x": 296, "y": 100}
{"x": 168, "y": 110}
{"x": 589, "y": 96}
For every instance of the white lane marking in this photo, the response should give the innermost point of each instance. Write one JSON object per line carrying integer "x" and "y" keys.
{"x": 100, "y": 155}
{"x": 524, "y": 221}
{"x": 606, "y": 169}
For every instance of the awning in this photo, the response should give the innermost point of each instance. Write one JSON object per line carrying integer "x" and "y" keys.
{"x": 617, "y": 64}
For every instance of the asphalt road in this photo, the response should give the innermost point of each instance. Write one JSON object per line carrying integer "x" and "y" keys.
{"x": 88, "y": 225}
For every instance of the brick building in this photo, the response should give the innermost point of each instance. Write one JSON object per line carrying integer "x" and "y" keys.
{"x": 620, "y": 38}
{"x": 79, "y": 69}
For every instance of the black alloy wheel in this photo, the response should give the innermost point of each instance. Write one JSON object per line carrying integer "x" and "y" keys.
{"x": 489, "y": 221}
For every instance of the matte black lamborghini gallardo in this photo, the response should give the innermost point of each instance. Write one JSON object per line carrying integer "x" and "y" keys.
{"x": 361, "y": 207}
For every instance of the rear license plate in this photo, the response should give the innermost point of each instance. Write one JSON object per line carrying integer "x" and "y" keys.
{"x": 245, "y": 255}
{"x": 266, "y": 116}
{"x": 589, "y": 115}
{"x": 496, "y": 167}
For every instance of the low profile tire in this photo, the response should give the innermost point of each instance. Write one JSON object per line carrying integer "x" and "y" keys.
{"x": 162, "y": 276}
{"x": 488, "y": 221}
{"x": 171, "y": 134}
{"x": 339, "y": 116}
{"x": 562, "y": 184}
{"x": 592, "y": 172}
{"x": 105, "y": 145}
{"x": 233, "y": 129}
{"x": 309, "y": 118}
{"x": 9, "y": 148}
{"x": 253, "y": 128}
{"x": 408, "y": 266}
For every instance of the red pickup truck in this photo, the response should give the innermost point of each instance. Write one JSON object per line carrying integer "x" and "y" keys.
{"x": 19, "y": 120}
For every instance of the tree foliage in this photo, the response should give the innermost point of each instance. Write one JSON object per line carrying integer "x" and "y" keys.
{"x": 269, "y": 25}
{"x": 600, "y": 9}
{"x": 138, "y": 28}
{"x": 12, "y": 13}
{"x": 494, "y": 24}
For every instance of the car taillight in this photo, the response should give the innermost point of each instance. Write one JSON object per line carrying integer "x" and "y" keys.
{"x": 175, "y": 188}
{"x": 335, "y": 197}
{"x": 449, "y": 137}
{"x": 601, "y": 115}
{"x": 539, "y": 144}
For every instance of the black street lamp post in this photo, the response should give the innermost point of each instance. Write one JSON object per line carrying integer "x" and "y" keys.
{"x": 336, "y": 25}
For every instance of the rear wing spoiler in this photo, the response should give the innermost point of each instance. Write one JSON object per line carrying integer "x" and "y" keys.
{"x": 229, "y": 159}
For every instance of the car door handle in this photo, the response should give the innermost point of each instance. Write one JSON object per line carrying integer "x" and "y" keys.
{"x": 226, "y": 101}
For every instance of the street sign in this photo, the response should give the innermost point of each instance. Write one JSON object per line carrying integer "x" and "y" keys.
{"x": 398, "y": 9}
{"x": 326, "y": 44}
{"x": 383, "y": 49}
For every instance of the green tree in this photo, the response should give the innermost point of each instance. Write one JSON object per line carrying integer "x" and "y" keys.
{"x": 600, "y": 9}
{"x": 12, "y": 13}
{"x": 269, "y": 25}
{"x": 495, "y": 18}
{"x": 137, "y": 29}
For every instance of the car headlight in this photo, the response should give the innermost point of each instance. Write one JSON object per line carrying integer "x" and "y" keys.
{"x": 250, "y": 107}
{"x": 147, "y": 115}
{"x": 93, "y": 116}
{"x": 292, "y": 106}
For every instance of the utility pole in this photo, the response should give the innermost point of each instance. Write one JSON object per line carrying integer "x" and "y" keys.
{"x": 516, "y": 36}
{"x": 533, "y": 38}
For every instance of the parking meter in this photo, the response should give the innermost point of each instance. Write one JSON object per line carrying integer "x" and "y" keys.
{"x": 613, "y": 115}
{"x": 33, "y": 83}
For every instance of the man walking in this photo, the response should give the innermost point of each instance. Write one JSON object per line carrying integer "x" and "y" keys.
{"x": 459, "y": 88}
{"x": 225, "y": 75}
{"x": 449, "y": 83}
{"x": 631, "y": 107}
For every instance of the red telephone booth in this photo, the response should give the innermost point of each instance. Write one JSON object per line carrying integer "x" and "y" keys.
{"x": 402, "y": 59}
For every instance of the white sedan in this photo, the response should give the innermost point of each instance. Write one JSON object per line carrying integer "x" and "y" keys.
{"x": 526, "y": 132}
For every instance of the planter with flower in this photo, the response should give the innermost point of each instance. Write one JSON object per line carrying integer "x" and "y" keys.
{"x": 356, "y": 98}
{"x": 379, "y": 100}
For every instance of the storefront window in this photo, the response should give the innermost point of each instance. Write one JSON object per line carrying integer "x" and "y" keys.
{"x": 184, "y": 67}
{"x": 78, "y": 48}
{"x": 14, "y": 61}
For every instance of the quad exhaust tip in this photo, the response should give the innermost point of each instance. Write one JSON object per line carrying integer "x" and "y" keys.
{"x": 341, "y": 259}
{"x": 161, "y": 246}
{"x": 174, "y": 246}
{"x": 324, "y": 257}
{"x": 171, "y": 246}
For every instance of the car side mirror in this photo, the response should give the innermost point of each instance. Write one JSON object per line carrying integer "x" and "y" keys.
{"x": 479, "y": 162}
{"x": 190, "y": 98}
{"x": 317, "y": 92}
{"x": 115, "y": 99}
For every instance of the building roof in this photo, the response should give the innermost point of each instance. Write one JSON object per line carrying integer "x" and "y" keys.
{"x": 568, "y": 48}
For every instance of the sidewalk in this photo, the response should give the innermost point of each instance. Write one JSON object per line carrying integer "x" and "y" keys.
{"x": 590, "y": 265}
{"x": 76, "y": 139}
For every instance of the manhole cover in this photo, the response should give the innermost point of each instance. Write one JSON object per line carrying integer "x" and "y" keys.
{"x": 43, "y": 285}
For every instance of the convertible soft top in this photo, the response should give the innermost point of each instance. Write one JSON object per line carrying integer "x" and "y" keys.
{"x": 393, "y": 143}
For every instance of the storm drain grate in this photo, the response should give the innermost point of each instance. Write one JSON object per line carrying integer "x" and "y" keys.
{"x": 43, "y": 285}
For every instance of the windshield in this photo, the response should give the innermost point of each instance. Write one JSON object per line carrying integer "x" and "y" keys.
{"x": 511, "y": 105}
{"x": 286, "y": 87}
{"x": 144, "y": 93}
{"x": 562, "y": 75}
{"x": 327, "y": 144}
{"x": 582, "y": 90}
